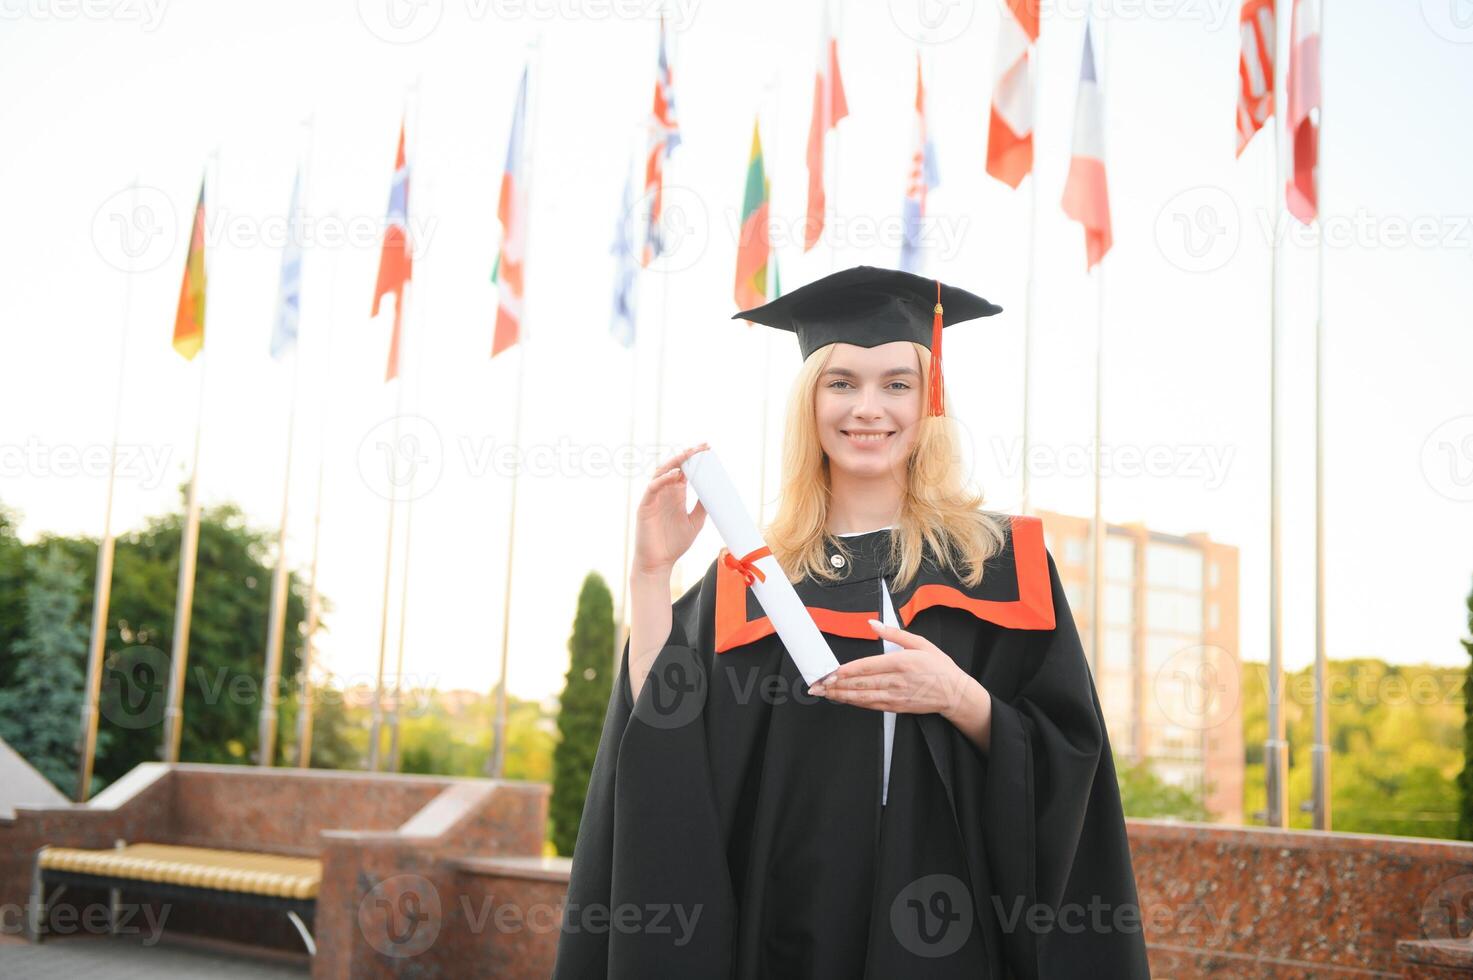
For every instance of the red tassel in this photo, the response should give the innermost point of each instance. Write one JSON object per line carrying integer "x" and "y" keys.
{"x": 937, "y": 403}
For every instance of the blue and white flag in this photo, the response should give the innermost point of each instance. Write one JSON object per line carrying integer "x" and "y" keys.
{"x": 626, "y": 269}
{"x": 289, "y": 294}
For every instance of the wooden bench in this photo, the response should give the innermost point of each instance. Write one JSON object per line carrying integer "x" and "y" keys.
{"x": 168, "y": 871}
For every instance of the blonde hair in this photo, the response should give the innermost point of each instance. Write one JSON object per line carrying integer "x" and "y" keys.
{"x": 938, "y": 512}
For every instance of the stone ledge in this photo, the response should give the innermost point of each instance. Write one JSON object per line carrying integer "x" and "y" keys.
{"x": 554, "y": 869}
{"x": 1452, "y": 953}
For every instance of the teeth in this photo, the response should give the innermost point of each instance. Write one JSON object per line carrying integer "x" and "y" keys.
{"x": 868, "y": 436}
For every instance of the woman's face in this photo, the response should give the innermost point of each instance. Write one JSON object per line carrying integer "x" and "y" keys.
{"x": 868, "y": 403}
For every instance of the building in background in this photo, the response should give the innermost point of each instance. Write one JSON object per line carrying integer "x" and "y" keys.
{"x": 1168, "y": 674}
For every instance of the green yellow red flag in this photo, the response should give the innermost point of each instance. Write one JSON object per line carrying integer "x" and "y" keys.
{"x": 754, "y": 246}
{"x": 189, "y": 323}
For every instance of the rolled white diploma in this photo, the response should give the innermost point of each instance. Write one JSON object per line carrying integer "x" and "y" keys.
{"x": 794, "y": 626}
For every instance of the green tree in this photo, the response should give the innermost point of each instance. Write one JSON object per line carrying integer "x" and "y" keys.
{"x": 585, "y": 701}
{"x": 1396, "y": 745}
{"x": 39, "y": 709}
{"x": 227, "y": 636}
{"x": 13, "y": 576}
{"x": 1144, "y": 794}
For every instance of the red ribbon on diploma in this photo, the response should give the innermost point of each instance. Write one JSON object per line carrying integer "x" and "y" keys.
{"x": 746, "y": 565}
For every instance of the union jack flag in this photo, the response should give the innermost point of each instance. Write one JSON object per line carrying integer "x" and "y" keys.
{"x": 664, "y": 137}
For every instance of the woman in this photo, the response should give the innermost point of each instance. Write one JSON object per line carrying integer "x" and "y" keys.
{"x": 943, "y": 805}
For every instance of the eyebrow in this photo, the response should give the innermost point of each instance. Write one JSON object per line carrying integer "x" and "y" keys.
{"x": 846, "y": 373}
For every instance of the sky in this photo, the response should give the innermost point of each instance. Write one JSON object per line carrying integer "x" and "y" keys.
{"x": 118, "y": 106}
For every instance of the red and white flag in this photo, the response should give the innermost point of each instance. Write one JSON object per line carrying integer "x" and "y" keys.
{"x": 1302, "y": 192}
{"x": 829, "y": 106}
{"x": 1086, "y": 193}
{"x": 1255, "y": 68}
{"x": 395, "y": 264}
{"x": 1010, "y": 129}
{"x": 511, "y": 211}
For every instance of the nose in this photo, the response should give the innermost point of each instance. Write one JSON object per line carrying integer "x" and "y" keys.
{"x": 868, "y": 405}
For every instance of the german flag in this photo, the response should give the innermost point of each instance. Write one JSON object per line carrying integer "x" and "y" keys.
{"x": 189, "y": 322}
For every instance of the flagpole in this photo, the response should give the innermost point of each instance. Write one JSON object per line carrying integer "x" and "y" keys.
{"x": 276, "y": 623}
{"x": 401, "y": 380}
{"x": 307, "y": 697}
{"x": 828, "y": 106}
{"x": 376, "y": 725}
{"x": 771, "y": 104}
{"x": 189, "y": 545}
{"x": 102, "y": 588}
{"x": 403, "y": 619}
{"x": 498, "y": 758}
{"x": 1320, "y": 751}
{"x": 1097, "y": 527}
{"x": 1025, "y": 506}
{"x": 534, "y": 99}
{"x": 412, "y": 370}
{"x": 184, "y": 594}
{"x": 1275, "y": 748}
{"x": 276, "y": 626}
{"x": 621, "y": 625}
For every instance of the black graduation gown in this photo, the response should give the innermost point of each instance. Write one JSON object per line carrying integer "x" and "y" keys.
{"x": 733, "y": 826}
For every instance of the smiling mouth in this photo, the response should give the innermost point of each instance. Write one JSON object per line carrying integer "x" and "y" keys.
{"x": 866, "y": 437}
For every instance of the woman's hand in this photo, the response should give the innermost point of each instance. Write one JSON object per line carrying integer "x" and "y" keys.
{"x": 917, "y": 679}
{"x": 663, "y": 530}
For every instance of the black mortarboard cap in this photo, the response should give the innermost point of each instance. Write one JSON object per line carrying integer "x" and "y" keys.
{"x": 868, "y": 306}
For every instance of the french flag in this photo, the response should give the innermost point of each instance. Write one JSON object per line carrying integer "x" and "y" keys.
{"x": 1086, "y": 194}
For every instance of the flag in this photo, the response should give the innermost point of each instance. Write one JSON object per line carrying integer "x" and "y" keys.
{"x": 829, "y": 106}
{"x": 1086, "y": 194}
{"x": 621, "y": 324}
{"x": 189, "y": 321}
{"x": 1255, "y": 68}
{"x": 289, "y": 292}
{"x": 922, "y": 177}
{"x": 1010, "y": 128}
{"x": 511, "y": 211}
{"x": 1302, "y": 191}
{"x": 395, "y": 265}
{"x": 754, "y": 247}
{"x": 664, "y": 137}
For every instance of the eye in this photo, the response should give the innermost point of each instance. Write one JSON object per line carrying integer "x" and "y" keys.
{"x": 835, "y": 384}
{"x": 903, "y": 385}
